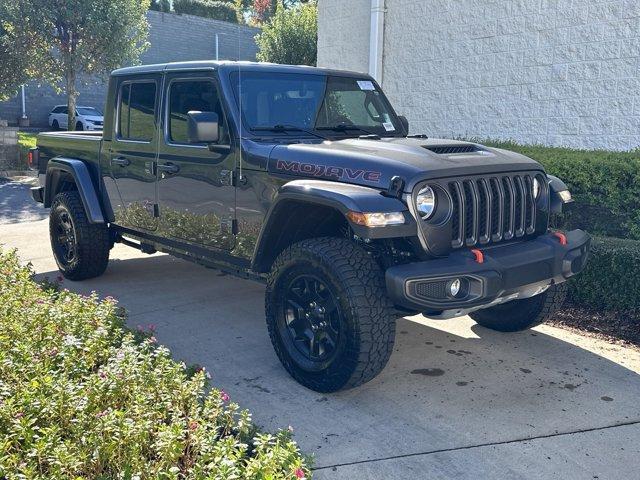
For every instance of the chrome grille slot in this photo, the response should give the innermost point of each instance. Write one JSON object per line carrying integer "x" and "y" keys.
{"x": 491, "y": 209}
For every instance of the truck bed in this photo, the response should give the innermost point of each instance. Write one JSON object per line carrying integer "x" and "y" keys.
{"x": 80, "y": 145}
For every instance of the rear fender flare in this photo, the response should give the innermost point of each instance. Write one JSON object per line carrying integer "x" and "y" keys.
{"x": 78, "y": 170}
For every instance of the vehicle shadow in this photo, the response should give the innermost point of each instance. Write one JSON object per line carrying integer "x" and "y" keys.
{"x": 16, "y": 204}
{"x": 448, "y": 384}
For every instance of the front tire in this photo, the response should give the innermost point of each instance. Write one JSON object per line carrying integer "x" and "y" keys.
{"x": 79, "y": 127}
{"x": 81, "y": 249}
{"x": 328, "y": 314}
{"x": 518, "y": 315}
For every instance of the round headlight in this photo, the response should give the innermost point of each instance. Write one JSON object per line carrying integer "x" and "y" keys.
{"x": 426, "y": 202}
{"x": 536, "y": 187}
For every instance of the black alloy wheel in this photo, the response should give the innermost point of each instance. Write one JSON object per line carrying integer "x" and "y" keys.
{"x": 329, "y": 318}
{"x": 81, "y": 248}
{"x": 310, "y": 321}
{"x": 64, "y": 237}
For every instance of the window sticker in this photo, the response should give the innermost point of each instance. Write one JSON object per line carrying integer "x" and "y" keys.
{"x": 388, "y": 126}
{"x": 366, "y": 85}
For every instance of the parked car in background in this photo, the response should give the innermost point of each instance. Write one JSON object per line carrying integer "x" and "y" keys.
{"x": 87, "y": 118}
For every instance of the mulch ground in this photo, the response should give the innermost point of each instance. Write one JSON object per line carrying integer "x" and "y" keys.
{"x": 621, "y": 328}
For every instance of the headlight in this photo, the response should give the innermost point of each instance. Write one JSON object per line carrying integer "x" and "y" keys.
{"x": 536, "y": 187}
{"x": 426, "y": 202}
{"x": 376, "y": 219}
{"x": 565, "y": 195}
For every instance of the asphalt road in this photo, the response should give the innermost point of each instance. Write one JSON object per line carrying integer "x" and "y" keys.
{"x": 456, "y": 400}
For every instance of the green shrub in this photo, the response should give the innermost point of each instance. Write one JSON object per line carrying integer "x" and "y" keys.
{"x": 218, "y": 10}
{"x": 604, "y": 184}
{"x": 160, "y": 5}
{"x": 81, "y": 398}
{"x": 611, "y": 279}
{"x": 290, "y": 36}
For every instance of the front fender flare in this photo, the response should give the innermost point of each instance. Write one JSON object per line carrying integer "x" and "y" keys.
{"x": 555, "y": 187}
{"x": 78, "y": 170}
{"x": 341, "y": 197}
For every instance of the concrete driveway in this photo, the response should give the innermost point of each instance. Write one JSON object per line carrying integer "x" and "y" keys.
{"x": 456, "y": 400}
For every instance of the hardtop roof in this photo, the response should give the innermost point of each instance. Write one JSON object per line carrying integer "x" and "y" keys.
{"x": 227, "y": 65}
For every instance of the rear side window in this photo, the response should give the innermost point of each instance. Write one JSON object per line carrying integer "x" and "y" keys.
{"x": 59, "y": 110}
{"x": 137, "y": 111}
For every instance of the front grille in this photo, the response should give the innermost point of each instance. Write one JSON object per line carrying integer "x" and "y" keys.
{"x": 492, "y": 209}
{"x": 432, "y": 290}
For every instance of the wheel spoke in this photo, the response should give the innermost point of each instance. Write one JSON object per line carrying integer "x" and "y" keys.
{"x": 312, "y": 318}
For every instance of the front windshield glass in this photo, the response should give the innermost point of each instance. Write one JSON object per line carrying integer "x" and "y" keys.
{"x": 88, "y": 111}
{"x": 331, "y": 104}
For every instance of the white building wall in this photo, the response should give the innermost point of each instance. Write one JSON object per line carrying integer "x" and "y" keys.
{"x": 554, "y": 72}
{"x": 343, "y": 34}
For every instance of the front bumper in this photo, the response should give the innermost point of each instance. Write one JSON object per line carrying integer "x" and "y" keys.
{"x": 508, "y": 272}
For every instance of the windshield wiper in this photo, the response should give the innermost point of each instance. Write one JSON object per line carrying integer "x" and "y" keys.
{"x": 287, "y": 128}
{"x": 345, "y": 127}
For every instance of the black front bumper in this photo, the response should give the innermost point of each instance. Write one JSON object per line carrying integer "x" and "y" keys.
{"x": 507, "y": 271}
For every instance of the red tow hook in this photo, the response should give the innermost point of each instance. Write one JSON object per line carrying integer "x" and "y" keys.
{"x": 478, "y": 254}
{"x": 562, "y": 238}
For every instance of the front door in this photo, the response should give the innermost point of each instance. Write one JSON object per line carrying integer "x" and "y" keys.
{"x": 196, "y": 197}
{"x": 132, "y": 152}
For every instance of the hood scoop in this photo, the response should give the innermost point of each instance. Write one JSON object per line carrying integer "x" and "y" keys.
{"x": 453, "y": 149}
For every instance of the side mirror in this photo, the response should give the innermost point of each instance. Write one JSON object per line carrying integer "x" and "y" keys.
{"x": 405, "y": 123}
{"x": 203, "y": 127}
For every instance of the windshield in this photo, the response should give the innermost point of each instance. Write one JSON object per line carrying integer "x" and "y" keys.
{"x": 88, "y": 111}
{"x": 289, "y": 101}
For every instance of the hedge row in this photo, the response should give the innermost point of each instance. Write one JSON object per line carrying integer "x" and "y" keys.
{"x": 611, "y": 279}
{"x": 82, "y": 398}
{"x": 604, "y": 184}
{"x": 218, "y": 10}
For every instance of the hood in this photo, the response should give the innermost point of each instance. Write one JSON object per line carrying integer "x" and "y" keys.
{"x": 374, "y": 162}
{"x": 93, "y": 118}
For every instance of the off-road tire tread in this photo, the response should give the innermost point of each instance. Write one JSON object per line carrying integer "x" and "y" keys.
{"x": 522, "y": 314}
{"x": 363, "y": 287}
{"x": 93, "y": 239}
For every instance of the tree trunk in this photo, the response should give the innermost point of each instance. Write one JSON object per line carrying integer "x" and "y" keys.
{"x": 72, "y": 97}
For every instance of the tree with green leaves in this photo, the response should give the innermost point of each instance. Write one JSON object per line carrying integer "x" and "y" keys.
{"x": 67, "y": 38}
{"x": 290, "y": 36}
{"x": 258, "y": 12}
{"x": 16, "y": 68}
{"x": 160, "y": 6}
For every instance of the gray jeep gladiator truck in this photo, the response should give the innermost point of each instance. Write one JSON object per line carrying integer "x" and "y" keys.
{"x": 307, "y": 179}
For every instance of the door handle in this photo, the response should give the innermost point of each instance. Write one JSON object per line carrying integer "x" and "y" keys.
{"x": 168, "y": 167}
{"x": 122, "y": 161}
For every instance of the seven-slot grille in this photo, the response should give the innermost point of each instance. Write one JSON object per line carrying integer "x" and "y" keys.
{"x": 491, "y": 209}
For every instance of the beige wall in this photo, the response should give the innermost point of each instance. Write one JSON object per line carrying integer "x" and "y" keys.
{"x": 343, "y": 34}
{"x": 555, "y": 72}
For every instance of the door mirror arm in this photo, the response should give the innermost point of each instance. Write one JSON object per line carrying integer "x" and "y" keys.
{"x": 218, "y": 148}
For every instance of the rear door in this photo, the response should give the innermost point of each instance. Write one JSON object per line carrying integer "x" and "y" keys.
{"x": 196, "y": 197}
{"x": 133, "y": 149}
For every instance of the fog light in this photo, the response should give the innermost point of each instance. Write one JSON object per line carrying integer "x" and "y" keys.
{"x": 454, "y": 287}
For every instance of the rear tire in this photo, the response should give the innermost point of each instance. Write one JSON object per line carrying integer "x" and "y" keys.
{"x": 518, "y": 315}
{"x": 81, "y": 249}
{"x": 328, "y": 314}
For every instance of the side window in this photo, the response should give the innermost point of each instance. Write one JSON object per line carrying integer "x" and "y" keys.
{"x": 188, "y": 95}
{"x": 136, "y": 111}
{"x": 64, "y": 110}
